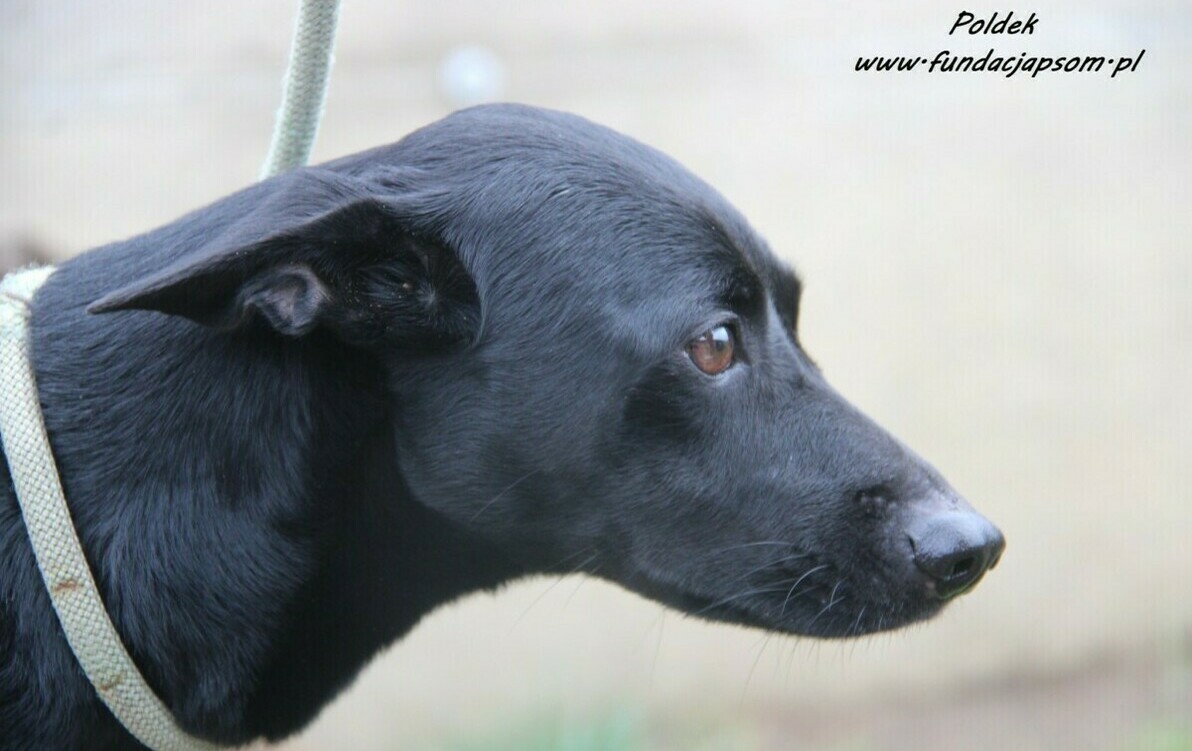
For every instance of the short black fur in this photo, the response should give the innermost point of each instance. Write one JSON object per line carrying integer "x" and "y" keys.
{"x": 292, "y": 423}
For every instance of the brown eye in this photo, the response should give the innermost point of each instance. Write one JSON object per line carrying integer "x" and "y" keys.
{"x": 712, "y": 351}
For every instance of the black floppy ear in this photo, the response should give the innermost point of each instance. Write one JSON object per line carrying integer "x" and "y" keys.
{"x": 318, "y": 250}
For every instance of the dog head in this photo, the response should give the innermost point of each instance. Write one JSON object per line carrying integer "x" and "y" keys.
{"x": 593, "y": 362}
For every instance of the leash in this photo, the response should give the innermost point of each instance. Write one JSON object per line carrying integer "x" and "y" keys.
{"x": 68, "y": 580}
{"x": 305, "y": 87}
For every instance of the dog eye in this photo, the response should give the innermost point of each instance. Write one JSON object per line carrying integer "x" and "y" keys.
{"x": 712, "y": 351}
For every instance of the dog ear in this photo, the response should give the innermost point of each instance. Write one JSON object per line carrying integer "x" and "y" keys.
{"x": 322, "y": 250}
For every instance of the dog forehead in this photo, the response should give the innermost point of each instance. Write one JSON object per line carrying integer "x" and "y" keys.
{"x": 549, "y": 181}
{"x": 550, "y": 210}
{"x": 516, "y": 158}
{"x": 503, "y": 133}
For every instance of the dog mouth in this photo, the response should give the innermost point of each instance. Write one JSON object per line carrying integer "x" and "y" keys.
{"x": 817, "y": 601}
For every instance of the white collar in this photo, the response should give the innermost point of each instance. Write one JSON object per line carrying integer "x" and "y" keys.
{"x": 72, "y": 589}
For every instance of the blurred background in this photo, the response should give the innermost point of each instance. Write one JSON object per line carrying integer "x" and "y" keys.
{"x": 999, "y": 271}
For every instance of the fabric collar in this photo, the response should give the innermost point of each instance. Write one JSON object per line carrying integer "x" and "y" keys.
{"x": 68, "y": 580}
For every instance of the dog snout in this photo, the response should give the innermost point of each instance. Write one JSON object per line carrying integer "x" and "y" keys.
{"x": 954, "y": 548}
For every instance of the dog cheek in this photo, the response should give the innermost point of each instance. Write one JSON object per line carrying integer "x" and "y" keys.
{"x": 659, "y": 409}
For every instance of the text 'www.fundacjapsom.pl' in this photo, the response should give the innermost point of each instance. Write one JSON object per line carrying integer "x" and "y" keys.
{"x": 992, "y": 61}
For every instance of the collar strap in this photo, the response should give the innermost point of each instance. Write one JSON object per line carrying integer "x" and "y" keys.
{"x": 75, "y": 596}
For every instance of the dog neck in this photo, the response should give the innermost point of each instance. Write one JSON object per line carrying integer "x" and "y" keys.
{"x": 387, "y": 561}
{"x": 239, "y": 500}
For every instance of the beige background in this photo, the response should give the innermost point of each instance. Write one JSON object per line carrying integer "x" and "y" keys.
{"x": 998, "y": 270}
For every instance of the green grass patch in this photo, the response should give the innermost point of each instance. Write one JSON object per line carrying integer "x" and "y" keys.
{"x": 621, "y": 730}
{"x": 1163, "y": 736}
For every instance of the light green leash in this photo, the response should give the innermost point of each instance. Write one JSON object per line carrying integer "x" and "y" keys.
{"x": 67, "y": 577}
{"x": 305, "y": 87}
{"x": 80, "y": 609}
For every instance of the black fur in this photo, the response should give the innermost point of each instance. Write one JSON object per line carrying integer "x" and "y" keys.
{"x": 420, "y": 371}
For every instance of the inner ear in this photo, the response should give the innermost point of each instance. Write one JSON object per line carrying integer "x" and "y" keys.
{"x": 420, "y": 297}
{"x": 290, "y": 298}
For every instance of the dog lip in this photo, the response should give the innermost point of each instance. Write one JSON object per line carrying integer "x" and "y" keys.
{"x": 728, "y": 608}
{"x": 659, "y": 586}
{"x": 754, "y": 609}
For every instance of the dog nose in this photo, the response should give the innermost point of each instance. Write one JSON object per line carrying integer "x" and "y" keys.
{"x": 955, "y": 549}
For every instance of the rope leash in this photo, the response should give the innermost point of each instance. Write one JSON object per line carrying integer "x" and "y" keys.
{"x": 64, "y": 570}
{"x": 305, "y": 87}
{"x": 73, "y": 592}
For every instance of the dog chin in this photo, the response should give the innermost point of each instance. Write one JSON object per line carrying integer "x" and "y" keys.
{"x": 847, "y": 620}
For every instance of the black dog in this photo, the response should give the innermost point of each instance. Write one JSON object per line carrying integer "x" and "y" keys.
{"x": 513, "y": 342}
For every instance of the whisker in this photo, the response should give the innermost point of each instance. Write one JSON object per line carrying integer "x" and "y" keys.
{"x": 501, "y": 495}
{"x": 856, "y": 627}
{"x": 759, "y": 543}
{"x": 582, "y": 581}
{"x": 553, "y": 584}
{"x": 790, "y": 593}
{"x": 770, "y": 564}
{"x": 737, "y": 596}
{"x": 831, "y": 602}
{"x": 570, "y": 556}
{"x": 657, "y": 644}
{"x": 752, "y": 668}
